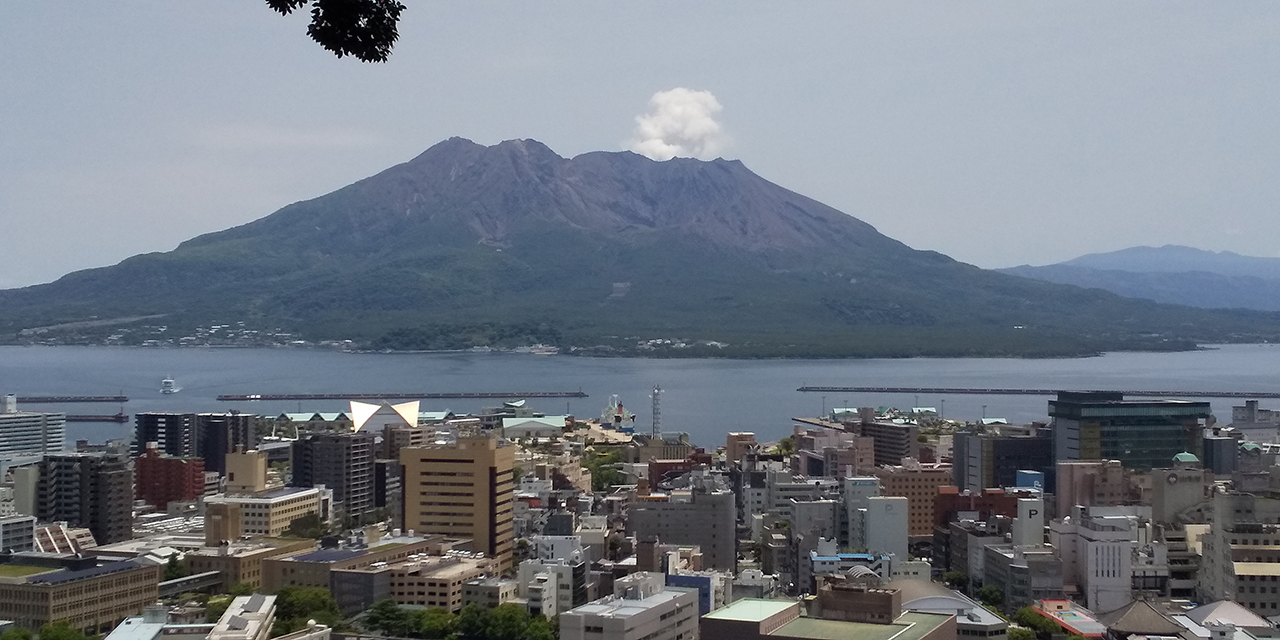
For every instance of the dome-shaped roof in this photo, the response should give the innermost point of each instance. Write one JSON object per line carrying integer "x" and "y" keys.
{"x": 1186, "y": 456}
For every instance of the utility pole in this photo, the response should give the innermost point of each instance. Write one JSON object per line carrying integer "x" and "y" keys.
{"x": 657, "y": 410}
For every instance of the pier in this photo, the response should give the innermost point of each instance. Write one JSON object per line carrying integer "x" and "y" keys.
{"x": 481, "y": 395}
{"x": 70, "y": 399}
{"x": 119, "y": 418}
{"x": 959, "y": 391}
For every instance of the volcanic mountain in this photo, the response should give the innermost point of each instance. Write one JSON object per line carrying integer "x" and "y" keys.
{"x": 468, "y": 245}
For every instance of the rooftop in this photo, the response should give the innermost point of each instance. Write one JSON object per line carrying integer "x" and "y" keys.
{"x": 752, "y": 610}
{"x": 908, "y": 626}
{"x": 21, "y": 570}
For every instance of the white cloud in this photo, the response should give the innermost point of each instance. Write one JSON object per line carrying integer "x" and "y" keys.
{"x": 680, "y": 123}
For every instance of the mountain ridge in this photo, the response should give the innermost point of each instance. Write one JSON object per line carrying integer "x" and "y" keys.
{"x": 464, "y": 235}
{"x": 1172, "y": 274}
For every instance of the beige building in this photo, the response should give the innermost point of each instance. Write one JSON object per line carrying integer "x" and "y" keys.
{"x": 642, "y": 608}
{"x": 918, "y": 483}
{"x": 436, "y": 581}
{"x": 94, "y": 598}
{"x": 465, "y": 490}
{"x": 246, "y": 471}
{"x": 736, "y": 444}
{"x": 241, "y": 561}
{"x": 490, "y": 592}
{"x": 311, "y": 566}
{"x": 267, "y": 513}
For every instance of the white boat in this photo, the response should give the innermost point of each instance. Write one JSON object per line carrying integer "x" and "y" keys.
{"x": 169, "y": 386}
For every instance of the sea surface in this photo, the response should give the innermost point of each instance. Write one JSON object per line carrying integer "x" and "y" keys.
{"x": 705, "y": 398}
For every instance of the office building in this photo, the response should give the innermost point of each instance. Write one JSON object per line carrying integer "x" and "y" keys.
{"x": 91, "y": 490}
{"x": 29, "y": 433}
{"x": 311, "y": 567}
{"x": 93, "y": 597}
{"x": 1097, "y": 557}
{"x": 705, "y": 519}
{"x": 489, "y": 592}
{"x": 1141, "y": 434}
{"x": 464, "y": 490}
{"x": 160, "y": 479}
{"x": 642, "y": 608}
{"x": 342, "y": 462}
{"x": 268, "y": 513}
{"x": 241, "y": 561}
{"x": 1023, "y": 574}
{"x": 992, "y": 459}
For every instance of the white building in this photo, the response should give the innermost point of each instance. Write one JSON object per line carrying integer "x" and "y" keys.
{"x": 24, "y": 433}
{"x": 571, "y": 579}
{"x": 856, "y": 493}
{"x": 884, "y": 526}
{"x": 642, "y": 607}
{"x": 1097, "y": 556}
{"x": 553, "y": 547}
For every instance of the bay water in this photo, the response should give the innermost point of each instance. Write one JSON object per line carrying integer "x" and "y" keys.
{"x": 703, "y": 397}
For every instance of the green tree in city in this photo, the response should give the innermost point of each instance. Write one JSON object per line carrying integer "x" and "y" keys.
{"x": 437, "y": 623}
{"x": 507, "y": 622}
{"x": 15, "y": 633}
{"x": 174, "y": 569}
{"x": 60, "y": 630}
{"x": 215, "y": 607}
{"x": 955, "y": 579}
{"x": 296, "y": 605}
{"x": 473, "y": 622}
{"x": 991, "y": 595}
{"x": 1018, "y": 633}
{"x": 241, "y": 589}
{"x": 389, "y": 618}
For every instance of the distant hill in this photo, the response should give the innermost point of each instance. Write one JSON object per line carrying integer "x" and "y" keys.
{"x": 1178, "y": 259}
{"x": 1172, "y": 274}
{"x": 468, "y": 245}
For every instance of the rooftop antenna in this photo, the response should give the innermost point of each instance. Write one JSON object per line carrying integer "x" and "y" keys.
{"x": 657, "y": 410}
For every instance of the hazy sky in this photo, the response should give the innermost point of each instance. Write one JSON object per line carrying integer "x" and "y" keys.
{"x": 999, "y": 133}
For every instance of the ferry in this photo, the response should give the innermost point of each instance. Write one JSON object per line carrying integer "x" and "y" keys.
{"x": 169, "y": 386}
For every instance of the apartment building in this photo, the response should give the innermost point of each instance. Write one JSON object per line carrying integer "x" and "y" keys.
{"x": 706, "y": 519}
{"x": 161, "y": 479}
{"x": 91, "y": 490}
{"x": 343, "y": 463}
{"x": 30, "y": 433}
{"x": 919, "y": 483}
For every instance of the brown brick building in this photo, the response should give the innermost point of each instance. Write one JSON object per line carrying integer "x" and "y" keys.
{"x": 160, "y": 479}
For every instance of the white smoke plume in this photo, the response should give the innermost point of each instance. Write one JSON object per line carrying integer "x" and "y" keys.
{"x": 680, "y": 123}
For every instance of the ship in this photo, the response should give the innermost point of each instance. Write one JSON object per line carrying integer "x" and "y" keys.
{"x": 617, "y": 417}
{"x": 169, "y": 386}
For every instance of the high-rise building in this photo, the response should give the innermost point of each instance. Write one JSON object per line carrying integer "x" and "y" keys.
{"x": 161, "y": 479}
{"x": 892, "y": 441}
{"x": 25, "y": 432}
{"x": 1141, "y": 434}
{"x": 463, "y": 490}
{"x": 91, "y": 490}
{"x": 218, "y": 434}
{"x": 342, "y": 462}
{"x": 173, "y": 433}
